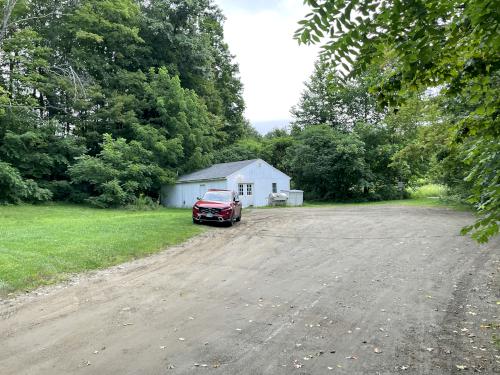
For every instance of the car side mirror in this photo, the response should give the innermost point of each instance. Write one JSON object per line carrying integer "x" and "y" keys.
{"x": 198, "y": 198}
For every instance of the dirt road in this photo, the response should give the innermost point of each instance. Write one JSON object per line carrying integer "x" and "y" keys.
{"x": 354, "y": 290}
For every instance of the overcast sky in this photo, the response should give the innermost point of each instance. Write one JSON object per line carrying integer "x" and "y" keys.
{"x": 273, "y": 66}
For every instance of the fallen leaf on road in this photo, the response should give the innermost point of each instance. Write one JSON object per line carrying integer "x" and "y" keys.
{"x": 429, "y": 349}
{"x": 351, "y": 357}
{"x": 461, "y": 367}
{"x": 377, "y": 350}
{"x": 182, "y": 339}
{"x": 162, "y": 347}
{"x": 297, "y": 364}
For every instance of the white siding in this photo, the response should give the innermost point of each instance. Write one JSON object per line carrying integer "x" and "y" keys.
{"x": 183, "y": 195}
{"x": 261, "y": 175}
{"x": 295, "y": 197}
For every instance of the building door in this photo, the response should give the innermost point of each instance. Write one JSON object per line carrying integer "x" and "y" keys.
{"x": 246, "y": 193}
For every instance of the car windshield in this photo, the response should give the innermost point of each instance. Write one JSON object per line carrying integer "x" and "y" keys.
{"x": 218, "y": 196}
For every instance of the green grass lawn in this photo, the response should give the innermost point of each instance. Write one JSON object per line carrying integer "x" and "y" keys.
{"x": 44, "y": 244}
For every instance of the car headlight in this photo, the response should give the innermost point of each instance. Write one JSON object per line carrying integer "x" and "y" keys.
{"x": 195, "y": 206}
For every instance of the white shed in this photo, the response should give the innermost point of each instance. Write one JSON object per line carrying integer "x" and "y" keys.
{"x": 295, "y": 197}
{"x": 253, "y": 180}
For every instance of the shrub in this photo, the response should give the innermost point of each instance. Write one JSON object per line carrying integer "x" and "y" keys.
{"x": 14, "y": 189}
{"x": 143, "y": 203}
{"x": 112, "y": 195}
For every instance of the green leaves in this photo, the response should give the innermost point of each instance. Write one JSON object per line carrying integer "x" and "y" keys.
{"x": 327, "y": 163}
{"x": 84, "y": 35}
{"x": 13, "y": 188}
{"x": 88, "y": 80}
{"x": 453, "y": 44}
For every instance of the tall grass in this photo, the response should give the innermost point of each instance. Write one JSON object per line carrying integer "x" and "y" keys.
{"x": 429, "y": 191}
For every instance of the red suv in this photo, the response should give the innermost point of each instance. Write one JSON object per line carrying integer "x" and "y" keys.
{"x": 221, "y": 206}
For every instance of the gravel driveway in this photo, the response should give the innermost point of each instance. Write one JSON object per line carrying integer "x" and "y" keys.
{"x": 353, "y": 290}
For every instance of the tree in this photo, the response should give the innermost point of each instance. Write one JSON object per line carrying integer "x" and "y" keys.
{"x": 244, "y": 149}
{"x": 275, "y": 148}
{"x": 424, "y": 44}
{"x": 152, "y": 75}
{"x": 328, "y": 163}
{"x": 329, "y": 100}
{"x": 120, "y": 173}
{"x": 187, "y": 37}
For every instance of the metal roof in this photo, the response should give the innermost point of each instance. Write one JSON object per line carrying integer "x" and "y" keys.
{"x": 216, "y": 171}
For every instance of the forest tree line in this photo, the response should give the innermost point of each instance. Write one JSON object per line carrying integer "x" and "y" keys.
{"x": 342, "y": 145}
{"x": 106, "y": 100}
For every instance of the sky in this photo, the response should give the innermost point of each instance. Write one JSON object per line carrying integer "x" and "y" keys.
{"x": 273, "y": 66}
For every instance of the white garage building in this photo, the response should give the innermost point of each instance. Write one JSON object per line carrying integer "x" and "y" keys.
{"x": 253, "y": 180}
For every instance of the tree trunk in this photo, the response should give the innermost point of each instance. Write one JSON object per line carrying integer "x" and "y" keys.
{"x": 9, "y": 6}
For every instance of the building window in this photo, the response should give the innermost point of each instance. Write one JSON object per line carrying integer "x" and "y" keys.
{"x": 240, "y": 189}
{"x": 249, "y": 189}
{"x": 275, "y": 187}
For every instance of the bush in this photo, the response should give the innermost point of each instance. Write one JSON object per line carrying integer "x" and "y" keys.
{"x": 35, "y": 194}
{"x": 119, "y": 173}
{"x": 12, "y": 186}
{"x": 14, "y": 189}
{"x": 143, "y": 203}
{"x": 112, "y": 196}
{"x": 386, "y": 192}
